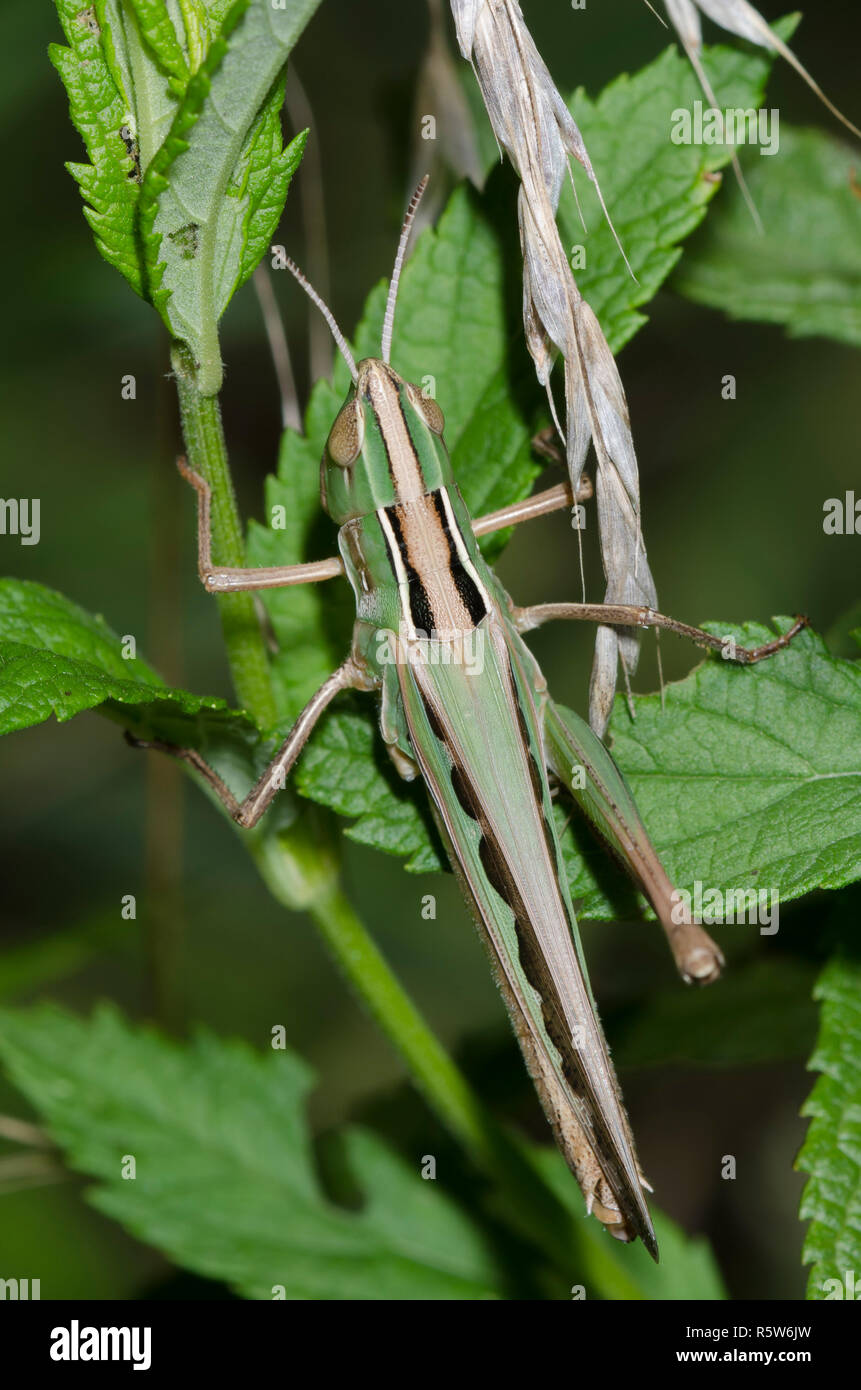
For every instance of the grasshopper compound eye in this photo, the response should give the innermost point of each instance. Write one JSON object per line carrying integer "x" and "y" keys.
{"x": 428, "y": 408}
{"x": 347, "y": 434}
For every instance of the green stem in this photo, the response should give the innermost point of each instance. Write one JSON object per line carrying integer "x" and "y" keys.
{"x": 434, "y": 1072}
{"x": 207, "y": 453}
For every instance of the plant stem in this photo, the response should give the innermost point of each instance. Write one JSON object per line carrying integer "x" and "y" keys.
{"x": 165, "y": 929}
{"x": 434, "y": 1072}
{"x": 207, "y": 453}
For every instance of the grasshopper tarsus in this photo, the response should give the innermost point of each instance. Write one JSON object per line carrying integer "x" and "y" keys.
{"x": 699, "y": 960}
{"x": 703, "y": 962}
{"x": 748, "y": 656}
{"x": 195, "y": 761}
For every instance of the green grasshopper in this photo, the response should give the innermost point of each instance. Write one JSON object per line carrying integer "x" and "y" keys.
{"x": 465, "y": 706}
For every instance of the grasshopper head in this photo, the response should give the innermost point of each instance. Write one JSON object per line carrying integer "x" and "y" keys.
{"x": 385, "y": 445}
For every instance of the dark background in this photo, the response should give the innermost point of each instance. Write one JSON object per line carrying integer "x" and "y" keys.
{"x": 732, "y": 497}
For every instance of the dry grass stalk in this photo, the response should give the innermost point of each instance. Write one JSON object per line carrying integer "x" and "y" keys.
{"x": 738, "y": 17}
{"x": 536, "y": 130}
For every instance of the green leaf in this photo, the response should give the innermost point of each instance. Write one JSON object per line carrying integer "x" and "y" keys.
{"x": 750, "y": 777}
{"x": 217, "y": 11}
{"x": 208, "y": 146}
{"x": 262, "y": 179}
{"x": 215, "y": 1117}
{"x": 156, "y": 29}
{"x": 832, "y": 1150}
{"x": 55, "y": 658}
{"x": 656, "y": 192}
{"x": 203, "y": 193}
{"x": 762, "y": 1012}
{"x": 99, "y": 110}
{"x": 805, "y": 271}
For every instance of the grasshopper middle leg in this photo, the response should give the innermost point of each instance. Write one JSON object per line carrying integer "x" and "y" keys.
{"x": 248, "y": 812}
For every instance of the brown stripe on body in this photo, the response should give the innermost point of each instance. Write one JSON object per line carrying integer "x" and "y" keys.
{"x": 444, "y": 597}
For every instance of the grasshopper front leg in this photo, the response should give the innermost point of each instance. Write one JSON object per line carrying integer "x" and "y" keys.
{"x": 223, "y": 580}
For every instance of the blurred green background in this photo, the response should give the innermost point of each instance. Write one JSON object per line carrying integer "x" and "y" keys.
{"x": 732, "y": 499}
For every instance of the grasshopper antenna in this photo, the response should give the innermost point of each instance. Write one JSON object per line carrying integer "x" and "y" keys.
{"x": 389, "y": 320}
{"x": 312, "y": 294}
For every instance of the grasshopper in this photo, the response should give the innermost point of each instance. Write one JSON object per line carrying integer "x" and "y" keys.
{"x": 464, "y": 705}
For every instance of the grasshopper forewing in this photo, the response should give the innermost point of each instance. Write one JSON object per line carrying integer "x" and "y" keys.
{"x": 463, "y": 704}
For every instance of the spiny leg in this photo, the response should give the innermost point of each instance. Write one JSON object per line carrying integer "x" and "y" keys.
{"x": 227, "y": 581}
{"x": 628, "y": 615}
{"x": 247, "y": 812}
